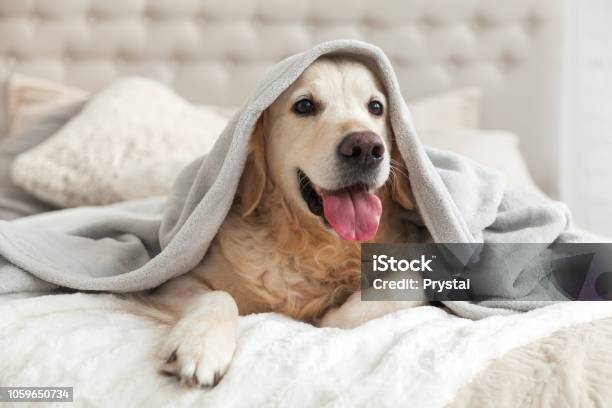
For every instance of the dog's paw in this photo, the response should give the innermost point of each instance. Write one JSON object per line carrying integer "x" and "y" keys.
{"x": 355, "y": 312}
{"x": 198, "y": 351}
{"x": 339, "y": 319}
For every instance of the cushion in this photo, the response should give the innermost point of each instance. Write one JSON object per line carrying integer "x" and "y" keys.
{"x": 128, "y": 142}
{"x": 27, "y": 95}
{"x": 494, "y": 149}
{"x": 459, "y": 108}
{"x": 36, "y": 111}
{"x": 132, "y": 139}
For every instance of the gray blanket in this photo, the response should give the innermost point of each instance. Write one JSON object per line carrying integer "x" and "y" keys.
{"x": 138, "y": 245}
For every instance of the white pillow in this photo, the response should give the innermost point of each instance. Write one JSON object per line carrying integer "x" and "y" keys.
{"x": 132, "y": 139}
{"x": 495, "y": 149}
{"x": 458, "y": 108}
{"x": 28, "y": 97}
{"x": 128, "y": 142}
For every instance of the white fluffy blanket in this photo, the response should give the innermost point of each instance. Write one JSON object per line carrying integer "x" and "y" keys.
{"x": 419, "y": 357}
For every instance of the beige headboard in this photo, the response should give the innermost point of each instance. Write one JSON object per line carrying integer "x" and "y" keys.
{"x": 214, "y": 51}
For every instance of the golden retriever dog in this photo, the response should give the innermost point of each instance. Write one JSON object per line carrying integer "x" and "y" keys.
{"x": 323, "y": 175}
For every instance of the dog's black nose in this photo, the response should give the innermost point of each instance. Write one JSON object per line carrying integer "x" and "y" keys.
{"x": 363, "y": 149}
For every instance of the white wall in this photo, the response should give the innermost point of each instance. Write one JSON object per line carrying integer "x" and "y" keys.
{"x": 587, "y": 157}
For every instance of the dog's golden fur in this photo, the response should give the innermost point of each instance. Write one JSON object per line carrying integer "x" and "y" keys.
{"x": 271, "y": 253}
{"x": 289, "y": 265}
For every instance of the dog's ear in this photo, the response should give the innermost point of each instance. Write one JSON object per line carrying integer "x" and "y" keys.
{"x": 254, "y": 178}
{"x": 401, "y": 192}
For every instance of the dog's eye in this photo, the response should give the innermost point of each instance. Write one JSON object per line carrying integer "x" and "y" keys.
{"x": 375, "y": 107}
{"x": 304, "y": 107}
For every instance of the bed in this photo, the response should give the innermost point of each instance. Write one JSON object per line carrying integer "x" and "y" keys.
{"x": 213, "y": 53}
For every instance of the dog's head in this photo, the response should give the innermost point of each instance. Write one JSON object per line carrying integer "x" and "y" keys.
{"x": 326, "y": 142}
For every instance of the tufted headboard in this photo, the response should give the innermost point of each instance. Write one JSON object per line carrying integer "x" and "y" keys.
{"x": 215, "y": 51}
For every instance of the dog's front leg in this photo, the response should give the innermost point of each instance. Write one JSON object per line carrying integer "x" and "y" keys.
{"x": 354, "y": 312}
{"x": 201, "y": 344}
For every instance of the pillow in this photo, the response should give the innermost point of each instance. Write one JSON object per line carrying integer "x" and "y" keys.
{"x": 133, "y": 138}
{"x": 26, "y": 96}
{"x": 32, "y": 120}
{"x": 495, "y": 149}
{"x": 459, "y": 108}
{"x": 129, "y": 142}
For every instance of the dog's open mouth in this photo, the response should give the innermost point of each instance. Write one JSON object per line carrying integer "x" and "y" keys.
{"x": 353, "y": 212}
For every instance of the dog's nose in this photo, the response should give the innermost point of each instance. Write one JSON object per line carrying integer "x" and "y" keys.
{"x": 364, "y": 149}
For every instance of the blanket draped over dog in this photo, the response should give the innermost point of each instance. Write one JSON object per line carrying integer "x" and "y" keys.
{"x": 138, "y": 245}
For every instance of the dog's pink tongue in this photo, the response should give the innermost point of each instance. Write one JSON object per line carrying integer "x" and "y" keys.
{"x": 354, "y": 214}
